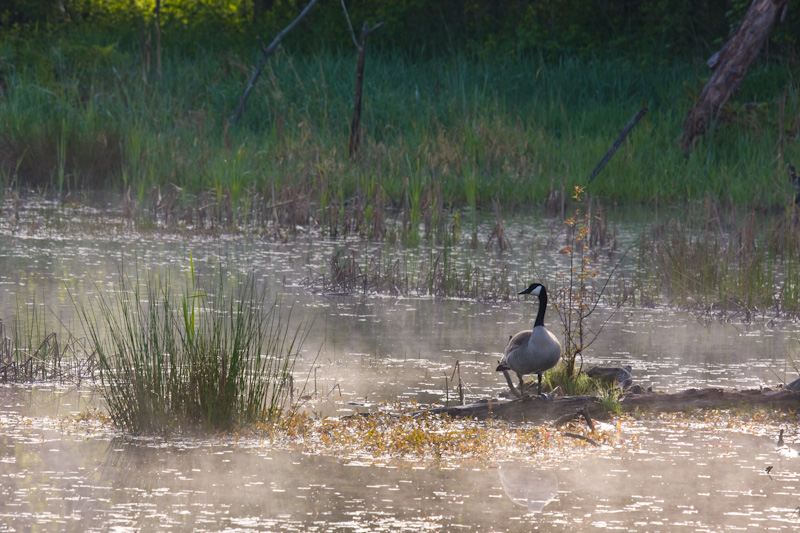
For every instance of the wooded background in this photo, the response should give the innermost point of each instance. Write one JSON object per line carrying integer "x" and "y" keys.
{"x": 652, "y": 30}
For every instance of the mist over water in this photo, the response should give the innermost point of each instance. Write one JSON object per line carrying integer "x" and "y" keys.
{"x": 705, "y": 472}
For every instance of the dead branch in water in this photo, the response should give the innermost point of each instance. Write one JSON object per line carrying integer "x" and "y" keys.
{"x": 499, "y": 232}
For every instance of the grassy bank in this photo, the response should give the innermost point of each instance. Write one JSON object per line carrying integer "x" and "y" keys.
{"x": 453, "y": 131}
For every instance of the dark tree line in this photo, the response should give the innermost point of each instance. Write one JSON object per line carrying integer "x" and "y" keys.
{"x": 659, "y": 28}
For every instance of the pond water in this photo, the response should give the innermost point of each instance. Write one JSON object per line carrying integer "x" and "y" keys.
{"x": 63, "y": 470}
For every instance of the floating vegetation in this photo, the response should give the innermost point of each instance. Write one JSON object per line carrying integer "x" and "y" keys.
{"x": 388, "y": 437}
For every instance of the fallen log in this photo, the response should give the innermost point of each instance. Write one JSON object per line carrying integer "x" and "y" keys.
{"x": 729, "y": 67}
{"x": 539, "y": 410}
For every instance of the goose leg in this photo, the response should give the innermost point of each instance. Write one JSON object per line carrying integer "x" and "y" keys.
{"x": 548, "y": 395}
{"x": 511, "y": 385}
{"x": 521, "y": 384}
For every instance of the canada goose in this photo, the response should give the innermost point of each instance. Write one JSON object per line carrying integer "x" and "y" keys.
{"x": 783, "y": 449}
{"x": 531, "y": 351}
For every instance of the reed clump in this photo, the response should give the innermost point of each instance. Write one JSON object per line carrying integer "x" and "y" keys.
{"x": 720, "y": 259}
{"x": 33, "y": 350}
{"x": 442, "y": 272}
{"x": 207, "y": 361}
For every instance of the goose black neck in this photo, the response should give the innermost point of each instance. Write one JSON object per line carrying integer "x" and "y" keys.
{"x": 542, "y": 308}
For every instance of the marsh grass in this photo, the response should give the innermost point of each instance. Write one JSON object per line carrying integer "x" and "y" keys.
{"x": 570, "y": 383}
{"x": 450, "y": 131}
{"x": 610, "y": 399}
{"x": 443, "y": 272}
{"x": 33, "y": 349}
{"x": 721, "y": 259}
{"x": 210, "y": 361}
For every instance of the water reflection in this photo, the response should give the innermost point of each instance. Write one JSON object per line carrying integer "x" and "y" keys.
{"x": 691, "y": 473}
{"x": 527, "y": 486}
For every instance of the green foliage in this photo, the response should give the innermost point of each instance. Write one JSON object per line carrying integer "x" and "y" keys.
{"x": 474, "y": 129}
{"x": 201, "y": 361}
{"x": 571, "y": 384}
{"x": 611, "y": 400}
{"x": 483, "y": 116}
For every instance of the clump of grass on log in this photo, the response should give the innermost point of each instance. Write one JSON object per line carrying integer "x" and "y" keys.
{"x": 195, "y": 362}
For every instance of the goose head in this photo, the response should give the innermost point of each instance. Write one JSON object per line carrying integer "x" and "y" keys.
{"x": 534, "y": 288}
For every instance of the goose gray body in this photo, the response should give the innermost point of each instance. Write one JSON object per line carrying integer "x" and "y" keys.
{"x": 533, "y": 351}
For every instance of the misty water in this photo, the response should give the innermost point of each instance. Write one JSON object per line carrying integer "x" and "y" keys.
{"x": 64, "y": 470}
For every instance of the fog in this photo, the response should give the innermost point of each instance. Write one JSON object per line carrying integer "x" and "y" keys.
{"x": 705, "y": 471}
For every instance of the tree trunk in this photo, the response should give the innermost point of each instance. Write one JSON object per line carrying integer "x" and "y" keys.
{"x": 158, "y": 39}
{"x": 355, "y": 125}
{"x": 730, "y": 66}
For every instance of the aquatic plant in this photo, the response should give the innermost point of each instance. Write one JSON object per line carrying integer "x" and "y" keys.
{"x": 716, "y": 258}
{"x": 36, "y": 350}
{"x": 394, "y": 434}
{"x": 445, "y": 272}
{"x": 198, "y": 361}
{"x": 574, "y": 384}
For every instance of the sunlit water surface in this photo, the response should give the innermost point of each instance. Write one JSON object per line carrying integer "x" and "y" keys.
{"x": 59, "y": 473}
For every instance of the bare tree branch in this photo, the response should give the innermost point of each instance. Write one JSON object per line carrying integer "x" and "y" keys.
{"x": 355, "y": 124}
{"x": 350, "y": 25}
{"x": 263, "y": 62}
{"x": 621, "y": 137}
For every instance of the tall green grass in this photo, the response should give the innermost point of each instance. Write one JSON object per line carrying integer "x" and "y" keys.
{"x": 209, "y": 361}
{"x": 78, "y": 114}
